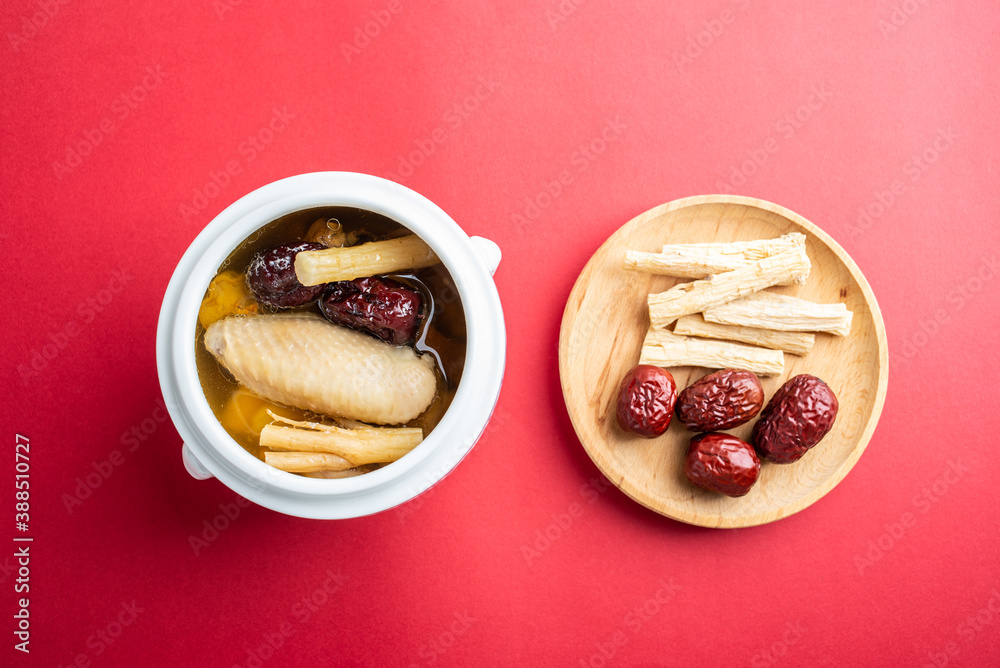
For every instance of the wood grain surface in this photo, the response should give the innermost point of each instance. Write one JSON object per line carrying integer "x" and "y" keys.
{"x": 606, "y": 318}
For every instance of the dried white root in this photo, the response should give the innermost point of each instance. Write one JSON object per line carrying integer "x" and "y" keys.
{"x": 368, "y": 445}
{"x": 701, "y": 260}
{"x": 327, "y": 475}
{"x": 781, "y": 312}
{"x": 662, "y": 348}
{"x": 371, "y": 259}
{"x": 696, "y": 296}
{"x": 353, "y": 424}
{"x": 797, "y": 343}
{"x": 306, "y": 462}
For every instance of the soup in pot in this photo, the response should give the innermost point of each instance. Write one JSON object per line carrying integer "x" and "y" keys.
{"x": 330, "y": 342}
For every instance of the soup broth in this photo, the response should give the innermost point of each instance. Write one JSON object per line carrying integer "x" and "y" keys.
{"x": 441, "y": 334}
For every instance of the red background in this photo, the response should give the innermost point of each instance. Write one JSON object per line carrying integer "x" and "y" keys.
{"x": 893, "y": 567}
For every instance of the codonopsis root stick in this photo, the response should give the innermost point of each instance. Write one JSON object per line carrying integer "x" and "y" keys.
{"x": 696, "y": 296}
{"x": 797, "y": 343}
{"x": 781, "y": 312}
{"x": 353, "y": 424}
{"x": 662, "y": 348}
{"x": 328, "y": 475}
{"x": 701, "y": 260}
{"x": 371, "y": 259}
{"x": 306, "y": 462}
{"x": 369, "y": 445}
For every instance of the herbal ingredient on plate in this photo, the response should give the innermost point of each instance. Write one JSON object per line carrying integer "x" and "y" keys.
{"x": 666, "y": 349}
{"x": 703, "y": 260}
{"x": 798, "y": 416}
{"x": 727, "y": 319}
{"x": 694, "y": 297}
{"x": 339, "y": 395}
{"x": 721, "y": 400}
{"x": 796, "y": 343}
{"x": 646, "y": 401}
{"x": 721, "y": 463}
{"x": 768, "y": 310}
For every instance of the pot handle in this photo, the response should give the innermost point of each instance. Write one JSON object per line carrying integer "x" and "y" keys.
{"x": 194, "y": 467}
{"x": 488, "y": 252}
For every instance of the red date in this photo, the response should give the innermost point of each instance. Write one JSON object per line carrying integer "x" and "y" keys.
{"x": 271, "y": 276}
{"x": 381, "y": 307}
{"x": 646, "y": 401}
{"x": 720, "y": 401}
{"x": 721, "y": 463}
{"x": 798, "y": 416}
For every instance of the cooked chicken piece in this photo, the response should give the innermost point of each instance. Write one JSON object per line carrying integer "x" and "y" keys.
{"x": 307, "y": 362}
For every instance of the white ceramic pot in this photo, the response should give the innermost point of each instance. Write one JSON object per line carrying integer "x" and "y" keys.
{"x": 208, "y": 451}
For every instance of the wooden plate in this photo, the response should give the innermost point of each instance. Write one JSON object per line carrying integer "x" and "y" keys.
{"x": 602, "y": 330}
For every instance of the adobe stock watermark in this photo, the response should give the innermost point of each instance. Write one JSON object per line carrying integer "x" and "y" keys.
{"x": 411, "y": 507}
{"x": 959, "y": 296}
{"x": 545, "y": 537}
{"x": 365, "y": 33}
{"x": 32, "y": 24}
{"x": 912, "y": 171}
{"x": 439, "y": 645}
{"x": 634, "y": 621}
{"x": 966, "y": 631}
{"x": 777, "y": 650}
{"x": 587, "y": 321}
{"x": 453, "y": 118}
{"x": 578, "y": 162}
{"x": 58, "y": 340}
{"x": 900, "y": 15}
{"x": 561, "y": 12}
{"x": 785, "y": 127}
{"x": 210, "y": 530}
{"x": 300, "y": 613}
{"x": 711, "y": 30}
{"x": 121, "y": 108}
{"x": 101, "y": 470}
{"x": 101, "y": 640}
{"x": 246, "y": 152}
{"x": 923, "y": 502}
{"x": 223, "y": 7}
{"x": 425, "y": 488}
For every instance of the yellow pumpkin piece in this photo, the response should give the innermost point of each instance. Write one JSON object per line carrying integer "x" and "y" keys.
{"x": 228, "y": 295}
{"x": 246, "y": 413}
{"x": 261, "y": 419}
{"x": 238, "y": 411}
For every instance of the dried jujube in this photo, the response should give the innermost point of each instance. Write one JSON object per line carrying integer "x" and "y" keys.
{"x": 721, "y": 400}
{"x": 798, "y": 416}
{"x": 646, "y": 399}
{"x": 721, "y": 463}
{"x": 381, "y": 307}
{"x": 271, "y": 276}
